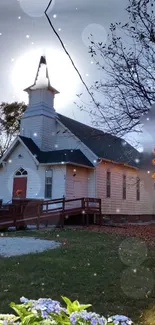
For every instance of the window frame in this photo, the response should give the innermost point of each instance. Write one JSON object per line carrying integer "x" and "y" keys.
{"x": 124, "y": 187}
{"x": 108, "y": 184}
{"x": 138, "y": 189}
{"x": 48, "y": 184}
{"x": 21, "y": 172}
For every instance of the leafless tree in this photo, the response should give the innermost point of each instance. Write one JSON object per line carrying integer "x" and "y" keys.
{"x": 127, "y": 64}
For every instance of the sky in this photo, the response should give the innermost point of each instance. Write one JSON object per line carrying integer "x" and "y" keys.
{"x": 25, "y": 34}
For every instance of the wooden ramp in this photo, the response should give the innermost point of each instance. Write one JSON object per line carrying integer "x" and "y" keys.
{"x": 22, "y": 213}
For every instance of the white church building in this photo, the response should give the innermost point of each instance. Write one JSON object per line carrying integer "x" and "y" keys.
{"x": 55, "y": 156}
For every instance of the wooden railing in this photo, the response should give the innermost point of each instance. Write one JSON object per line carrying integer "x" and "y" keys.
{"x": 39, "y": 211}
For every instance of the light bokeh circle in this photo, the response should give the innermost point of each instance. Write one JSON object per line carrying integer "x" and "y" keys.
{"x": 35, "y": 8}
{"x": 137, "y": 283}
{"x": 96, "y": 32}
{"x": 133, "y": 251}
{"x": 62, "y": 75}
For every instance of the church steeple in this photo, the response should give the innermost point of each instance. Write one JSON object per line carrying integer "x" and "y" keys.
{"x": 39, "y": 118}
{"x": 42, "y": 79}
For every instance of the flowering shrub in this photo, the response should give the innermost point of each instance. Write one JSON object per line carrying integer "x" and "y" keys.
{"x": 49, "y": 312}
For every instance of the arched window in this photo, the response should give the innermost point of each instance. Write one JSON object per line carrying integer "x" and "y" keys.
{"x": 21, "y": 172}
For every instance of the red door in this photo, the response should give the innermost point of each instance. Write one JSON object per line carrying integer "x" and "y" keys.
{"x": 19, "y": 183}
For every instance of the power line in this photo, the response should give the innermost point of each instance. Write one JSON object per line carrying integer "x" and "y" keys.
{"x": 71, "y": 60}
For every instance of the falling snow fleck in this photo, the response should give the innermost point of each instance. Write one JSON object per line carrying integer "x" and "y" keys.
{"x": 54, "y": 16}
{"x": 124, "y": 143}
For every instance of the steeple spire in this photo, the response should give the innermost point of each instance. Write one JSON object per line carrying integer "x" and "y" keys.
{"x": 42, "y": 79}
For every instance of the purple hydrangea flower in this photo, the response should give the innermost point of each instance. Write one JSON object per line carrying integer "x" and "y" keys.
{"x": 94, "y": 321}
{"x": 5, "y": 322}
{"x": 121, "y": 320}
{"x": 24, "y": 300}
{"x": 44, "y": 304}
{"x": 90, "y": 317}
{"x": 44, "y": 314}
{"x": 73, "y": 319}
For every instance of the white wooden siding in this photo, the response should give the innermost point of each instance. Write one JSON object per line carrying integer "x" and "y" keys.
{"x": 66, "y": 140}
{"x": 115, "y": 204}
{"x": 82, "y": 177}
{"x": 45, "y": 129}
{"x": 36, "y": 177}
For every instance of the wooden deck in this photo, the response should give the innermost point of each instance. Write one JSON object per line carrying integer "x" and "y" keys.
{"x": 27, "y": 212}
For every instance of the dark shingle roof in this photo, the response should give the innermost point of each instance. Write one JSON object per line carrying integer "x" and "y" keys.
{"x": 104, "y": 145}
{"x": 30, "y": 145}
{"x": 56, "y": 156}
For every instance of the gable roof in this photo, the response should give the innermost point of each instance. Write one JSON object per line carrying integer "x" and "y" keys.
{"x": 16, "y": 141}
{"x": 56, "y": 156}
{"x": 104, "y": 145}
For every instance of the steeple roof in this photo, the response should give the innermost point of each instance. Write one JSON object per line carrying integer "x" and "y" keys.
{"x": 42, "y": 79}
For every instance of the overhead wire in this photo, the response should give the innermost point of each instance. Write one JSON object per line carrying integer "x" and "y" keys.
{"x": 71, "y": 60}
{"x": 73, "y": 64}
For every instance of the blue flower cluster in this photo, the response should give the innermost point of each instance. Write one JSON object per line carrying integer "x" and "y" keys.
{"x": 49, "y": 309}
{"x": 120, "y": 320}
{"x": 45, "y": 306}
{"x": 91, "y": 318}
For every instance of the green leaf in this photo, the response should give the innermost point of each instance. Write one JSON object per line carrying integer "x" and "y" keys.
{"x": 68, "y": 303}
{"x": 66, "y": 300}
{"x": 74, "y": 306}
{"x": 20, "y": 310}
{"x": 30, "y": 319}
{"x": 82, "y": 307}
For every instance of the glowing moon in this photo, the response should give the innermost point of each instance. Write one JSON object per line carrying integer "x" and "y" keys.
{"x": 62, "y": 75}
{"x": 35, "y": 8}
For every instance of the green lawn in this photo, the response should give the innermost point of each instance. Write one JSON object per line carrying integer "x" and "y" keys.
{"x": 87, "y": 268}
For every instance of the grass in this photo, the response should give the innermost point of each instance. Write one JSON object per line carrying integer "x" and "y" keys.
{"x": 87, "y": 267}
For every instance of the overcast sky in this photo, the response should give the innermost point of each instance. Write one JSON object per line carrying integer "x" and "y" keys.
{"x": 24, "y": 28}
